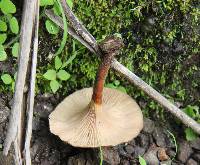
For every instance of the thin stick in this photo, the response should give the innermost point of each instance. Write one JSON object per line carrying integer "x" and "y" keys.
{"x": 32, "y": 90}
{"x": 79, "y": 28}
{"x": 25, "y": 43}
{"x": 70, "y": 30}
{"x": 140, "y": 83}
{"x": 188, "y": 121}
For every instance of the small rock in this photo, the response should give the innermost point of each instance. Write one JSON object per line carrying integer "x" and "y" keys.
{"x": 151, "y": 156}
{"x": 168, "y": 162}
{"x": 149, "y": 126}
{"x": 36, "y": 124}
{"x": 125, "y": 162}
{"x": 143, "y": 140}
{"x": 196, "y": 157}
{"x": 4, "y": 113}
{"x": 159, "y": 137}
{"x": 162, "y": 156}
{"x": 111, "y": 156}
{"x": 129, "y": 149}
{"x": 184, "y": 151}
{"x": 191, "y": 162}
{"x": 195, "y": 144}
{"x": 171, "y": 153}
{"x": 138, "y": 151}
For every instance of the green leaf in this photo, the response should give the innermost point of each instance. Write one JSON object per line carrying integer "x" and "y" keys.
{"x": 111, "y": 85}
{"x": 3, "y": 55}
{"x": 142, "y": 161}
{"x": 1, "y": 47}
{"x": 46, "y": 2}
{"x": 51, "y": 27}
{"x": 63, "y": 75}
{"x": 15, "y": 49}
{"x": 70, "y": 3}
{"x": 190, "y": 134}
{"x": 3, "y": 38}
{"x": 122, "y": 89}
{"x": 7, "y": 7}
{"x": 3, "y": 26}
{"x": 54, "y": 85}
{"x": 6, "y": 78}
{"x": 116, "y": 82}
{"x": 56, "y": 8}
{"x": 58, "y": 63}
{"x": 14, "y": 26}
{"x": 50, "y": 74}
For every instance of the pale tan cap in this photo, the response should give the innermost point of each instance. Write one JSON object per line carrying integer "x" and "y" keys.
{"x": 119, "y": 119}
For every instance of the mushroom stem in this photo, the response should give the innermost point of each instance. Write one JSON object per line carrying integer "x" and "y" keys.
{"x": 100, "y": 78}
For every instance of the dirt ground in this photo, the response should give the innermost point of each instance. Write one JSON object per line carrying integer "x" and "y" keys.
{"x": 154, "y": 143}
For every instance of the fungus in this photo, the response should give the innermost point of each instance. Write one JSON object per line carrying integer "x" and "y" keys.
{"x": 98, "y": 116}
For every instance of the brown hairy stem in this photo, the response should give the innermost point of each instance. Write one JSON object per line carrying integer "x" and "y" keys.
{"x": 110, "y": 47}
{"x": 100, "y": 79}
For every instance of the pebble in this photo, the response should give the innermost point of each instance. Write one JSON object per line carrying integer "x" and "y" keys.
{"x": 138, "y": 151}
{"x": 4, "y": 113}
{"x": 151, "y": 156}
{"x": 196, "y": 157}
{"x": 110, "y": 155}
{"x": 159, "y": 137}
{"x": 162, "y": 156}
{"x": 149, "y": 126}
{"x": 184, "y": 151}
{"x": 143, "y": 140}
{"x": 195, "y": 144}
{"x": 129, "y": 149}
{"x": 191, "y": 162}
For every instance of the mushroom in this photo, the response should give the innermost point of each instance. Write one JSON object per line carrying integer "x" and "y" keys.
{"x": 98, "y": 116}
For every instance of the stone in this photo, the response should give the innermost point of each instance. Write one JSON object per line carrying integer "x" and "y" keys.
{"x": 171, "y": 153}
{"x": 195, "y": 144}
{"x": 129, "y": 149}
{"x": 138, "y": 151}
{"x": 159, "y": 137}
{"x": 191, "y": 162}
{"x": 168, "y": 162}
{"x": 196, "y": 157}
{"x": 184, "y": 151}
{"x": 149, "y": 126}
{"x": 143, "y": 140}
{"x": 110, "y": 155}
{"x": 151, "y": 156}
{"x": 162, "y": 156}
{"x": 4, "y": 113}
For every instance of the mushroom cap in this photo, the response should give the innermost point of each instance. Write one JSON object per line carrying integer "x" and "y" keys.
{"x": 119, "y": 119}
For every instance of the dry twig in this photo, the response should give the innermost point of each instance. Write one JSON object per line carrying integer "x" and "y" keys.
{"x": 16, "y": 116}
{"x": 27, "y": 155}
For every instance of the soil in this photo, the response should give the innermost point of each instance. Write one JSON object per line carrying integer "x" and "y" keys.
{"x": 154, "y": 143}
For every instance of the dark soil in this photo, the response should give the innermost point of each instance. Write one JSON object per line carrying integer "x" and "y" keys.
{"x": 154, "y": 143}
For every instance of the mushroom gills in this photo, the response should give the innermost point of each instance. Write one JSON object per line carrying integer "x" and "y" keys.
{"x": 81, "y": 123}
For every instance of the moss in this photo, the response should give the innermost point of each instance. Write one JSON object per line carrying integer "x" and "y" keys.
{"x": 160, "y": 37}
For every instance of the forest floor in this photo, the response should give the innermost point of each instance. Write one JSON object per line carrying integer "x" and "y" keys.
{"x": 155, "y": 144}
{"x": 162, "y": 47}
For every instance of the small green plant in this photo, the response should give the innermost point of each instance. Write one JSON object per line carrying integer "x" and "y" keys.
{"x": 57, "y": 75}
{"x": 175, "y": 143}
{"x": 51, "y": 27}
{"x": 101, "y": 155}
{"x": 142, "y": 161}
{"x": 116, "y": 85}
{"x": 8, "y": 80}
{"x": 192, "y": 111}
{"x": 9, "y": 27}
